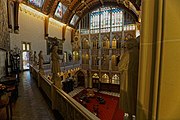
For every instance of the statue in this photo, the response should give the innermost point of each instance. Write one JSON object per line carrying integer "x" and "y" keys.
{"x": 30, "y": 57}
{"x": 55, "y": 67}
{"x": 35, "y": 59}
{"x": 128, "y": 68}
{"x": 41, "y": 61}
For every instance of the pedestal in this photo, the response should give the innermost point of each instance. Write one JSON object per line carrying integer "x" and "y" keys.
{"x": 56, "y": 80}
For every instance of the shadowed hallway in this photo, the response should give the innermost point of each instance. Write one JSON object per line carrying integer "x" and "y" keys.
{"x": 30, "y": 104}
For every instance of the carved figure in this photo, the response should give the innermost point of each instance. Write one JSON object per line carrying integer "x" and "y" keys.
{"x": 55, "y": 67}
{"x": 128, "y": 68}
{"x": 35, "y": 59}
{"x": 41, "y": 60}
{"x": 55, "y": 60}
{"x": 30, "y": 57}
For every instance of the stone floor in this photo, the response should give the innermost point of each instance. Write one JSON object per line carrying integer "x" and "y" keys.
{"x": 31, "y": 104}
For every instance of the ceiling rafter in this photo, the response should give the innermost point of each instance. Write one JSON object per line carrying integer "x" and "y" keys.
{"x": 82, "y": 7}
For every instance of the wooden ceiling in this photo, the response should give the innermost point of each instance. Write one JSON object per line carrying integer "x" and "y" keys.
{"x": 82, "y": 7}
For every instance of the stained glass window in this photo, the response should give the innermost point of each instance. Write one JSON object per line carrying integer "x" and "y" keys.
{"x": 104, "y": 14}
{"x": 115, "y": 79}
{"x": 105, "y": 19}
{"x": 94, "y": 21}
{"x": 95, "y": 75}
{"x": 117, "y": 15}
{"x": 105, "y": 78}
{"x": 38, "y": 3}
{"x": 74, "y": 19}
{"x": 60, "y": 10}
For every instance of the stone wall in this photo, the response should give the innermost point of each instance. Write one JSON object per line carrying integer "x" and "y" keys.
{"x": 4, "y": 36}
{"x": 2, "y": 63}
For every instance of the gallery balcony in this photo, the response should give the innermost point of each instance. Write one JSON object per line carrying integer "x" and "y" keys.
{"x": 85, "y": 66}
{"x": 114, "y": 68}
{"x": 94, "y": 67}
{"x": 116, "y": 51}
{"x": 64, "y": 66}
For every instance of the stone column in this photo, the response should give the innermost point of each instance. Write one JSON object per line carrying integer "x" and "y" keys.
{"x": 16, "y": 9}
{"x": 110, "y": 48}
{"x": 90, "y": 79}
{"x": 149, "y": 60}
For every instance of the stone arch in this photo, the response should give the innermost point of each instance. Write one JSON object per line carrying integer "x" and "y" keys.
{"x": 80, "y": 78}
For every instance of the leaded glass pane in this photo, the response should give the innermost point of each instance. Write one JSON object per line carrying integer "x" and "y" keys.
{"x": 60, "y": 10}
{"x": 74, "y": 19}
{"x": 37, "y": 3}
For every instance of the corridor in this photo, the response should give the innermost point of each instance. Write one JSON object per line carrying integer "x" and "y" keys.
{"x": 31, "y": 104}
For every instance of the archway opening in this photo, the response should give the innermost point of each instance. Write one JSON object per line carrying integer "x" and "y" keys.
{"x": 80, "y": 79}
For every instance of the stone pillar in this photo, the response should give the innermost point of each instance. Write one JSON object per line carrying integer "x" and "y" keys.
{"x": 90, "y": 54}
{"x": 16, "y": 9}
{"x": 110, "y": 48}
{"x": 56, "y": 80}
{"x": 86, "y": 80}
{"x": 99, "y": 43}
{"x": 90, "y": 79}
{"x": 46, "y": 25}
{"x": 80, "y": 44}
{"x": 123, "y": 38}
{"x": 168, "y": 94}
{"x": 149, "y": 60}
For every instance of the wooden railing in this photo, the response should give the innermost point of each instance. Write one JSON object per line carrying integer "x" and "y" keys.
{"x": 69, "y": 108}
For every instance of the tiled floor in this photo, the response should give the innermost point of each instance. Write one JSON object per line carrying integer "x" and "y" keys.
{"x": 31, "y": 105}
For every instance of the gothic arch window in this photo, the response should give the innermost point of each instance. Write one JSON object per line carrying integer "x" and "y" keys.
{"x": 60, "y": 10}
{"x": 101, "y": 17}
{"x": 115, "y": 79}
{"x": 114, "y": 43}
{"x": 37, "y": 3}
{"x": 95, "y": 75}
{"x": 105, "y": 78}
{"x": 75, "y": 55}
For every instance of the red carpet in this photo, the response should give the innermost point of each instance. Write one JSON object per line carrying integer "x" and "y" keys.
{"x": 107, "y": 111}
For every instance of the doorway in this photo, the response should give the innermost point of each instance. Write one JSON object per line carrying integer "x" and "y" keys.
{"x": 26, "y": 47}
{"x": 81, "y": 79}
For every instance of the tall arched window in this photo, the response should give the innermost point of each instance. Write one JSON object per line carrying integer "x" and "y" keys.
{"x": 75, "y": 55}
{"x": 105, "y": 78}
{"x": 95, "y": 75}
{"x": 115, "y": 79}
{"x": 106, "y": 18}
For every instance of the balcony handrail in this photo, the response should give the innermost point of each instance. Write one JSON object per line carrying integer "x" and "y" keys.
{"x": 86, "y": 113}
{"x": 75, "y": 105}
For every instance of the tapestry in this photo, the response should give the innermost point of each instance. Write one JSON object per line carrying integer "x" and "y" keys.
{"x": 4, "y": 33}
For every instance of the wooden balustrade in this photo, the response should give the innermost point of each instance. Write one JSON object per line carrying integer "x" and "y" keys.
{"x": 69, "y": 108}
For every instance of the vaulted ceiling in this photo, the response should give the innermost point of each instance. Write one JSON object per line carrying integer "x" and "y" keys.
{"x": 82, "y": 7}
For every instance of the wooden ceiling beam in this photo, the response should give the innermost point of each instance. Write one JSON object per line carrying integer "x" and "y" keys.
{"x": 102, "y": 2}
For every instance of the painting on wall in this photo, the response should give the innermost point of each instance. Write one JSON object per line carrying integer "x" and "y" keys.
{"x": 54, "y": 42}
{"x": 60, "y": 10}
{"x": 4, "y": 33}
{"x": 74, "y": 19}
{"x": 37, "y": 3}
